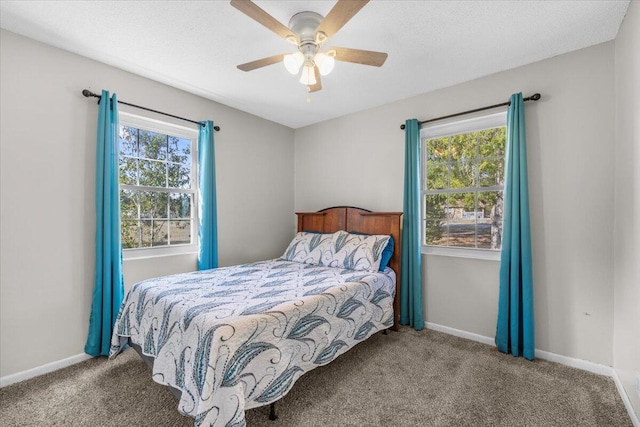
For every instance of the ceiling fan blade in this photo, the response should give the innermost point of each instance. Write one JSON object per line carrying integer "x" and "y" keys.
{"x": 254, "y": 12}
{"x": 358, "y": 56}
{"x": 318, "y": 86}
{"x": 261, "y": 62}
{"x": 341, "y": 13}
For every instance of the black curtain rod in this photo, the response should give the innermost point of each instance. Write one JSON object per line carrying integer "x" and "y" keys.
{"x": 88, "y": 94}
{"x": 534, "y": 97}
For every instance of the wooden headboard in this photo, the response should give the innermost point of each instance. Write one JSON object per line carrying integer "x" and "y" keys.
{"x": 348, "y": 218}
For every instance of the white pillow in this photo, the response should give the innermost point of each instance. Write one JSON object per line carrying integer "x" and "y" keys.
{"x": 356, "y": 251}
{"x": 309, "y": 248}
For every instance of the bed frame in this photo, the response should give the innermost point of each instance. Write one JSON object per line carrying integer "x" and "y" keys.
{"x": 348, "y": 218}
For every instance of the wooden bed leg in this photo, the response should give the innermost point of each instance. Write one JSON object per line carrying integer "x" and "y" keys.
{"x": 384, "y": 332}
{"x": 272, "y": 412}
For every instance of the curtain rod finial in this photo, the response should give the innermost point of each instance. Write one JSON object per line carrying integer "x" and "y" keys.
{"x": 535, "y": 97}
{"x": 402, "y": 127}
{"x": 87, "y": 93}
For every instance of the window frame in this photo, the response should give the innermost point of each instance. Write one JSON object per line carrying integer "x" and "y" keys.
{"x": 455, "y": 127}
{"x": 162, "y": 127}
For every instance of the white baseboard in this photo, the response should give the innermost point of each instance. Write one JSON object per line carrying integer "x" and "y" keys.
{"x": 44, "y": 369}
{"x": 625, "y": 399}
{"x": 460, "y": 333}
{"x": 585, "y": 365}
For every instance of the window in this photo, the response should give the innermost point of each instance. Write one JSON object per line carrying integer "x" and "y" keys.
{"x": 462, "y": 186}
{"x": 157, "y": 173}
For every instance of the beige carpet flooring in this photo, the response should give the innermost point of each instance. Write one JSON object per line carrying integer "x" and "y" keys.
{"x": 406, "y": 378}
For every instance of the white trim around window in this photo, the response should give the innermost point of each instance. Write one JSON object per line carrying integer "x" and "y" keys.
{"x": 449, "y": 128}
{"x": 463, "y": 126}
{"x": 141, "y": 122}
{"x": 487, "y": 254}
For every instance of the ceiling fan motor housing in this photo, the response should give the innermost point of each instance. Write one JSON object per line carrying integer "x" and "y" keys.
{"x": 304, "y": 25}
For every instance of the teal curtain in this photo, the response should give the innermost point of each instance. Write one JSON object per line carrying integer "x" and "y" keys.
{"x": 411, "y": 272}
{"x": 515, "y": 332}
{"x": 208, "y": 227}
{"x": 108, "y": 290}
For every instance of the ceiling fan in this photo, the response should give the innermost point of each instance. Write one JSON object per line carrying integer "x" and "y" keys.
{"x": 309, "y": 31}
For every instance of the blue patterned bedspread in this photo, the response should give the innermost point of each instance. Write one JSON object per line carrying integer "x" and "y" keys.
{"x": 239, "y": 337}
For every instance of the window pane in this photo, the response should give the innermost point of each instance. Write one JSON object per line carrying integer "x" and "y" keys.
{"x": 436, "y": 232}
{"x": 129, "y": 234}
{"x": 437, "y": 149}
{"x": 490, "y": 205}
{"x": 492, "y": 142}
{"x": 179, "y": 175}
{"x": 154, "y": 233}
{"x": 462, "y": 233}
{"x": 153, "y": 204}
{"x": 463, "y": 146}
{"x": 152, "y": 173}
{"x": 436, "y": 206}
{"x": 437, "y": 178}
{"x": 128, "y": 170}
{"x": 152, "y": 145}
{"x": 128, "y": 141}
{"x": 128, "y": 204}
{"x": 462, "y": 204}
{"x": 179, "y": 205}
{"x": 462, "y": 222}
{"x": 462, "y": 175}
{"x": 179, "y": 150}
{"x": 159, "y": 233}
{"x": 491, "y": 173}
{"x": 180, "y": 232}
{"x": 145, "y": 233}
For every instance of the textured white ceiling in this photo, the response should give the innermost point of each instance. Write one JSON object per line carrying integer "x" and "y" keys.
{"x": 196, "y": 45}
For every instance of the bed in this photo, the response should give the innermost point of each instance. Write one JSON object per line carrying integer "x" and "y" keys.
{"x": 235, "y": 338}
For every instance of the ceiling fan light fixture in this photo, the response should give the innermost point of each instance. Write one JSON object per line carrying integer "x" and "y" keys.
{"x": 293, "y": 62}
{"x": 324, "y": 62}
{"x": 308, "y": 77}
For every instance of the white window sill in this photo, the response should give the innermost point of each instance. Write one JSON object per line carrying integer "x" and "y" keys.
{"x": 462, "y": 252}
{"x": 160, "y": 252}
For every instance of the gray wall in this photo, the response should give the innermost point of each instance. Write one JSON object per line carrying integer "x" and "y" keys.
{"x": 47, "y": 193}
{"x": 358, "y": 160}
{"x": 626, "y": 320}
